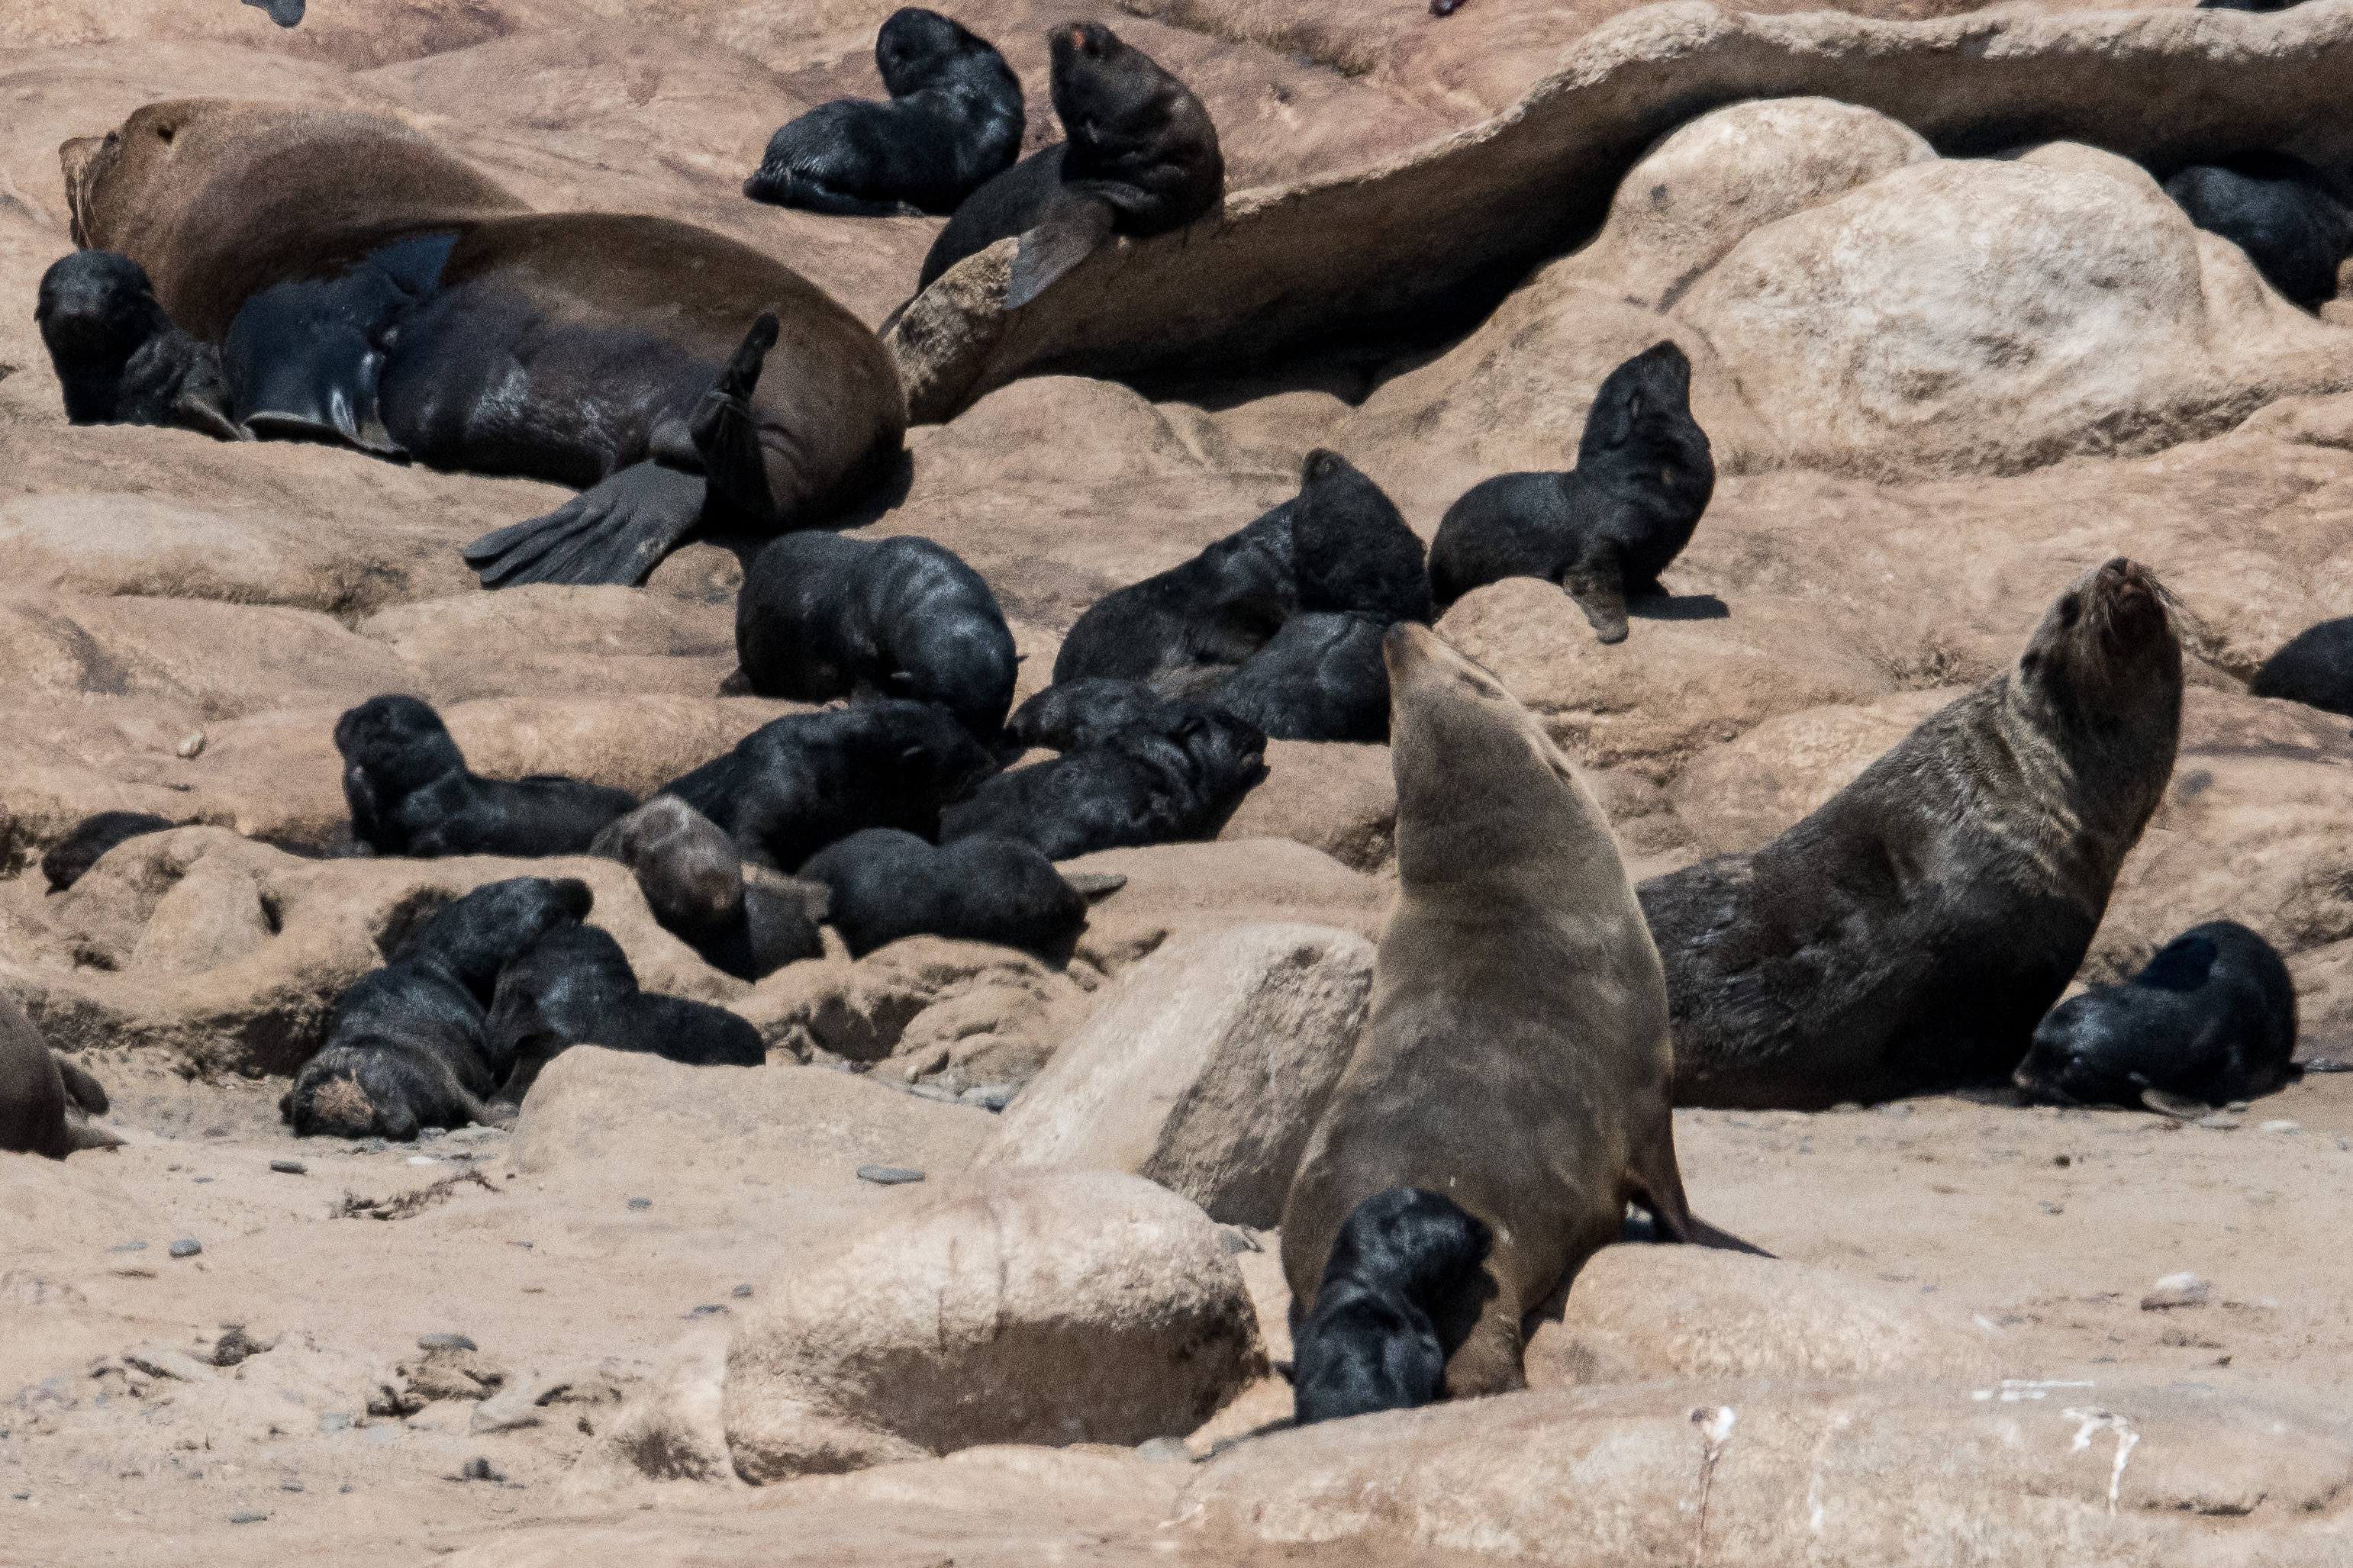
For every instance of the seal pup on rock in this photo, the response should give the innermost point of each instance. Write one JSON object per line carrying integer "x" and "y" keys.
{"x": 410, "y": 792}
{"x": 1404, "y": 1261}
{"x": 118, "y": 356}
{"x": 1605, "y": 529}
{"x": 1073, "y": 715}
{"x": 953, "y": 123}
{"x": 2212, "y": 1018}
{"x": 1141, "y": 158}
{"x": 2314, "y": 667}
{"x": 2280, "y": 211}
{"x": 46, "y": 1101}
{"x": 1517, "y": 1060}
{"x": 1321, "y": 678}
{"x": 1149, "y": 783}
{"x": 369, "y": 291}
{"x": 405, "y": 1045}
{"x": 888, "y": 884}
{"x": 71, "y": 857}
{"x": 695, "y": 881}
{"x": 1910, "y": 933}
{"x": 821, "y": 616}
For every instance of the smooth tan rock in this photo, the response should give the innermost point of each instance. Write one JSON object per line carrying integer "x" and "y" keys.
{"x": 1743, "y": 794}
{"x": 1331, "y": 796}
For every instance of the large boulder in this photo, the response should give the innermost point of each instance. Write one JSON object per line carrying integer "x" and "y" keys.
{"x": 1205, "y": 1070}
{"x": 1033, "y": 1307}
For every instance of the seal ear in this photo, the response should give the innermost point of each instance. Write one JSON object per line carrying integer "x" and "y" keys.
{"x": 1073, "y": 230}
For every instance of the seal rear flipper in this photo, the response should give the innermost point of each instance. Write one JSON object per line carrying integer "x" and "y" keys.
{"x": 615, "y": 532}
{"x": 1074, "y": 229}
{"x": 792, "y": 188}
{"x": 725, "y": 433}
{"x": 1598, "y": 584}
{"x": 80, "y": 1088}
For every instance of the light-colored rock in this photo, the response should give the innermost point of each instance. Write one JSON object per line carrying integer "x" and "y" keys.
{"x": 1040, "y": 1307}
{"x": 1204, "y": 1070}
{"x": 565, "y": 641}
{"x": 670, "y": 1429}
{"x": 1330, "y": 796}
{"x": 1743, "y": 795}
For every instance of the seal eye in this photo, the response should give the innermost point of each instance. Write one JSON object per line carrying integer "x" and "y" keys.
{"x": 2071, "y": 610}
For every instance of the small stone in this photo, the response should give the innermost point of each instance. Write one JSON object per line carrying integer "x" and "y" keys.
{"x": 989, "y": 1095}
{"x": 291, "y": 1484}
{"x": 2219, "y": 1121}
{"x": 2282, "y": 1126}
{"x": 446, "y": 1343}
{"x": 2054, "y": 1208}
{"x": 742, "y": 1292}
{"x": 2183, "y": 1290}
{"x": 187, "y": 1247}
{"x": 888, "y": 1175}
{"x": 2237, "y": 1105}
{"x": 706, "y": 1312}
{"x": 478, "y": 1470}
{"x": 2061, "y": 1161}
{"x": 247, "y": 1516}
{"x": 641, "y": 1203}
{"x": 511, "y": 1410}
{"x": 423, "y": 1160}
{"x": 931, "y": 1091}
{"x": 1164, "y": 1451}
{"x": 290, "y": 1167}
{"x": 129, "y": 1246}
{"x": 191, "y": 745}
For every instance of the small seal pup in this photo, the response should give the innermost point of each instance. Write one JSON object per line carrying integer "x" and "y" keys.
{"x": 71, "y": 857}
{"x": 2314, "y": 667}
{"x": 2280, "y": 211}
{"x": 1215, "y": 610}
{"x": 1605, "y": 529}
{"x": 118, "y": 355}
{"x": 1073, "y": 715}
{"x": 695, "y": 881}
{"x": 1404, "y": 1261}
{"x": 410, "y": 792}
{"x": 1321, "y": 678}
{"x": 1141, "y": 158}
{"x": 1517, "y": 1060}
{"x": 821, "y": 616}
{"x": 888, "y": 884}
{"x": 797, "y": 783}
{"x": 1149, "y": 783}
{"x": 45, "y": 1100}
{"x": 405, "y": 1045}
{"x": 2211, "y": 1019}
{"x": 953, "y": 123}
{"x": 1351, "y": 547}
{"x": 1912, "y": 931}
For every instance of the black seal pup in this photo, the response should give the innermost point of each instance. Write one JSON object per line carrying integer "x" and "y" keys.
{"x": 1518, "y": 1057}
{"x": 1351, "y": 548}
{"x": 1072, "y": 715}
{"x": 888, "y": 884}
{"x": 695, "y": 881}
{"x": 1605, "y": 529}
{"x": 2280, "y": 211}
{"x": 1156, "y": 784}
{"x": 2212, "y": 1018}
{"x": 410, "y": 792}
{"x": 1404, "y": 1261}
{"x": 797, "y": 783}
{"x": 2314, "y": 667}
{"x": 1910, "y": 933}
{"x": 405, "y": 1045}
{"x": 821, "y": 616}
{"x": 46, "y": 1101}
{"x": 1215, "y": 610}
{"x": 574, "y": 986}
{"x": 1322, "y": 679}
{"x": 71, "y": 857}
{"x": 953, "y": 123}
{"x": 118, "y": 355}
{"x": 1141, "y": 158}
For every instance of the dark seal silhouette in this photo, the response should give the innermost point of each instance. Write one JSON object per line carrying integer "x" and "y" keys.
{"x": 118, "y": 355}
{"x": 70, "y": 856}
{"x": 2280, "y": 211}
{"x": 888, "y": 884}
{"x": 1321, "y": 678}
{"x": 1605, "y": 529}
{"x": 2213, "y": 1018}
{"x": 1910, "y": 933}
{"x": 821, "y": 616}
{"x": 1405, "y": 1262}
{"x": 410, "y": 792}
{"x": 2314, "y": 667}
{"x": 1140, "y": 158}
{"x": 1156, "y": 784}
{"x": 1215, "y": 610}
{"x": 405, "y": 1045}
{"x": 1072, "y": 715}
{"x": 46, "y": 1101}
{"x": 953, "y": 122}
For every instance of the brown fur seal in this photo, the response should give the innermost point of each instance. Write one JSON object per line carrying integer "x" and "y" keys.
{"x": 1517, "y": 1063}
{"x": 1910, "y": 934}
{"x": 44, "y": 1099}
{"x": 366, "y": 289}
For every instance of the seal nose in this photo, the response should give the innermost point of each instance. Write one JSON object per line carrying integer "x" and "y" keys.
{"x": 1402, "y": 647}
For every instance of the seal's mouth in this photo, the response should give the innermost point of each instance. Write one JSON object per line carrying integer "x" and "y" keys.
{"x": 83, "y": 158}
{"x": 2126, "y": 603}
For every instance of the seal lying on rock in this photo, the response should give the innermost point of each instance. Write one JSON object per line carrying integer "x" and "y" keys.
{"x": 693, "y": 880}
{"x": 1517, "y": 1060}
{"x": 2280, "y": 211}
{"x": 953, "y": 123}
{"x": 405, "y": 1045}
{"x": 1404, "y": 1261}
{"x": 2314, "y": 667}
{"x": 1910, "y": 933}
{"x": 70, "y": 856}
{"x": 1073, "y": 715}
{"x": 821, "y": 616}
{"x": 118, "y": 355}
{"x": 44, "y": 1100}
{"x": 574, "y": 986}
{"x": 1141, "y": 158}
{"x": 797, "y": 783}
{"x": 2212, "y": 1018}
{"x": 410, "y": 792}
{"x": 888, "y": 884}
{"x": 1155, "y": 783}
{"x": 367, "y": 289}
{"x": 1321, "y": 678}
{"x": 1605, "y": 529}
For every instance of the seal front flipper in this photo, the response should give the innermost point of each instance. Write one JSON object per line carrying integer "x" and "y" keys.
{"x": 725, "y": 434}
{"x": 1074, "y": 229}
{"x": 1598, "y": 584}
{"x": 615, "y": 532}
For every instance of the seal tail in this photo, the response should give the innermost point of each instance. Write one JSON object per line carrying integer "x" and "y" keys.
{"x": 726, "y": 434}
{"x": 1598, "y": 584}
{"x": 1073, "y": 230}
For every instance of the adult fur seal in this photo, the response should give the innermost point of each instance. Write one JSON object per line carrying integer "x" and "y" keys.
{"x": 1517, "y": 1061}
{"x": 2280, "y": 211}
{"x": 2211, "y": 1019}
{"x": 2314, "y": 667}
{"x": 1404, "y": 1261}
{"x": 1141, "y": 159}
{"x": 953, "y": 123}
{"x": 888, "y": 884}
{"x": 1910, "y": 934}
{"x": 45, "y": 1100}
{"x": 118, "y": 356}
{"x": 368, "y": 289}
{"x": 410, "y": 792}
{"x": 821, "y": 616}
{"x": 1605, "y": 529}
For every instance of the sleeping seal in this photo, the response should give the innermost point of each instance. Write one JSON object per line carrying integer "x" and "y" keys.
{"x": 410, "y": 792}
{"x": 2280, "y": 211}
